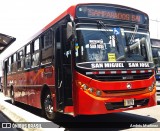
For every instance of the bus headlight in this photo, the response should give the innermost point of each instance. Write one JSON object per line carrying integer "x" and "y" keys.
{"x": 84, "y": 87}
{"x": 98, "y": 93}
{"x": 91, "y": 90}
{"x": 150, "y": 88}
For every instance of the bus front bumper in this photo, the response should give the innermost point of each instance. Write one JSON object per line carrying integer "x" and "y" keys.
{"x": 92, "y": 105}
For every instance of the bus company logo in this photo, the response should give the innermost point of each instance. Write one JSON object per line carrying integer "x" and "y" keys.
{"x": 127, "y": 77}
{"x": 129, "y": 86}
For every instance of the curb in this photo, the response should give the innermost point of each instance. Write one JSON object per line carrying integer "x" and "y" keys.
{"x": 18, "y": 115}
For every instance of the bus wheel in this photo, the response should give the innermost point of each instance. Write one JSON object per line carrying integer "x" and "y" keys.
{"x": 47, "y": 107}
{"x": 12, "y": 97}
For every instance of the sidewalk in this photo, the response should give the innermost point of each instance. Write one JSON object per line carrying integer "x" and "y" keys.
{"x": 16, "y": 114}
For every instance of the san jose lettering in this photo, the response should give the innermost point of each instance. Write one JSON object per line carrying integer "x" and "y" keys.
{"x": 138, "y": 64}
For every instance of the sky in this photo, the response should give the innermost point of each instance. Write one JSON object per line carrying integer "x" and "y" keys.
{"x": 23, "y": 18}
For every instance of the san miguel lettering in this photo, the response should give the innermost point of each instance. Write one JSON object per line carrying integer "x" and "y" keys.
{"x": 138, "y": 64}
{"x": 113, "y": 65}
{"x": 107, "y": 65}
{"x": 97, "y": 65}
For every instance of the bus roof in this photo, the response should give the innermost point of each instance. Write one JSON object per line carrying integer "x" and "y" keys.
{"x": 71, "y": 11}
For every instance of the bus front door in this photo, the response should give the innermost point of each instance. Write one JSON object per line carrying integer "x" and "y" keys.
{"x": 63, "y": 70}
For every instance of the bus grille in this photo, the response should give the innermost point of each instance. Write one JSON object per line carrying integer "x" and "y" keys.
{"x": 121, "y": 77}
{"x": 123, "y": 91}
{"x": 117, "y": 93}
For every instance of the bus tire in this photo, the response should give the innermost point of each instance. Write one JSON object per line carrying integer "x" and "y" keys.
{"x": 12, "y": 96}
{"x": 47, "y": 106}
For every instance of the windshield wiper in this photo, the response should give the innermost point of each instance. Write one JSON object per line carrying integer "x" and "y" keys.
{"x": 133, "y": 34}
{"x": 106, "y": 30}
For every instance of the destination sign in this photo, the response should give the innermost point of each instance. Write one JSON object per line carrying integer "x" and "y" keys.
{"x": 111, "y": 12}
{"x": 108, "y": 65}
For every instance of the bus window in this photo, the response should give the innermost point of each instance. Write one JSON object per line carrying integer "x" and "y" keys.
{"x": 48, "y": 39}
{"x": 47, "y": 47}
{"x": 20, "y": 60}
{"x": 27, "y": 57}
{"x": 14, "y": 63}
{"x": 14, "y": 58}
{"x": 35, "y": 55}
{"x": 9, "y": 65}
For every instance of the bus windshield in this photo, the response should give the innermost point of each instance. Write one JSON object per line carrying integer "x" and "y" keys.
{"x": 156, "y": 56}
{"x": 111, "y": 45}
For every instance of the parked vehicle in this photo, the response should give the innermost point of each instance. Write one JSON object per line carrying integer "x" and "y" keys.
{"x": 155, "y": 43}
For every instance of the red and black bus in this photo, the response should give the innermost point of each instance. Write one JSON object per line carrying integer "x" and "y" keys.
{"x": 92, "y": 59}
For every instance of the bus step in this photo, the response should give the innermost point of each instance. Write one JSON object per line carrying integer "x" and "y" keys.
{"x": 69, "y": 102}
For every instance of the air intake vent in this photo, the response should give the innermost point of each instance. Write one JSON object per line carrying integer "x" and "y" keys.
{"x": 121, "y": 77}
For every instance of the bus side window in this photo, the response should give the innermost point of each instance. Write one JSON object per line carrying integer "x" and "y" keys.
{"x": 20, "y": 60}
{"x": 27, "y": 57}
{"x": 47, "y": 47}
{"x": 9, "y": 65}
{"x": 6, "y": 66}
{"x": 14, "y": 63}
{"x": 35, "y": 54}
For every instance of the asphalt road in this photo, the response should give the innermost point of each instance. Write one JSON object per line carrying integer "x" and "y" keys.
{"x": 121, "y": 121}
{"x": 114, "y": 121}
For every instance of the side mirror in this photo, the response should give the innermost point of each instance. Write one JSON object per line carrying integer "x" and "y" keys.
{"x": 69, "y": 30}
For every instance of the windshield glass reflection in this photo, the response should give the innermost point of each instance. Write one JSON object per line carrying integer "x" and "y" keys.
{"x": 113, "y": 44}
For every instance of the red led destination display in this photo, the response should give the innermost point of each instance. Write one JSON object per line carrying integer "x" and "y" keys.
{"x": 114, "y": 15}
{"x": 111, "y": 12}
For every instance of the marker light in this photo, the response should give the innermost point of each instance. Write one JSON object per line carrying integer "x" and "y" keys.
{"x": 84, "y": 87}
{"x": 91, "y": 90}
{"x": 150, "y": 88}
{"x": 98, "y": 93}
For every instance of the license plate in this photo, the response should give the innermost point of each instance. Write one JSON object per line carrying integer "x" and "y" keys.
{"x": 128, "y": 102}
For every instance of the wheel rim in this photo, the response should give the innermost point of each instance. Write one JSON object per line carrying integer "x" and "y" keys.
{"x": 48, "y": 105}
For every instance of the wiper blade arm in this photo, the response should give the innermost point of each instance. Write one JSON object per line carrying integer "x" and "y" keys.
{"x": 104, "y": 27}
{"x": 133, "y": 35}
